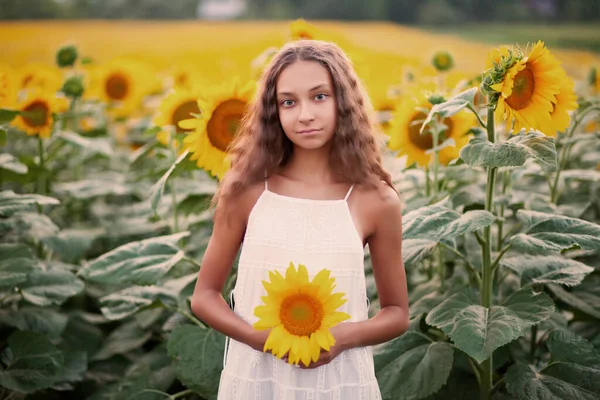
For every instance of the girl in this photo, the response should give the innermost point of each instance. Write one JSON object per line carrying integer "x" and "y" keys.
{"x": 306, "y": 185}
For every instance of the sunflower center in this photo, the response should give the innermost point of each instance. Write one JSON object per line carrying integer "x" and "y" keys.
{"x": 35, "y": 114}
{"x": 116, "y": 86}
{"x": 301, "y": 314}
{"x": 184, "y": 111}
{"x": 524, "y": 84}
{"x": 223, "y": 123}
{"x": 423, "y": 142}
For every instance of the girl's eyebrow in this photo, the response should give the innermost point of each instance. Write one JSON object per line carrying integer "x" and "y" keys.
{"x": 319, "y": 86}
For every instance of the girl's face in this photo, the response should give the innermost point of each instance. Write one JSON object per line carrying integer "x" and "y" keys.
{"x": 306, "y": 104}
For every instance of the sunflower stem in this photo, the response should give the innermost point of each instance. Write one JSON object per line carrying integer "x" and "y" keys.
{"x": 427, "y": 182}
{"x": 483, "y": 124}
{"x": 487, "y": 273}
{"x": 173, "y": 186}
{"x": 500, "y": 239}
{"x": 41, "y": 181}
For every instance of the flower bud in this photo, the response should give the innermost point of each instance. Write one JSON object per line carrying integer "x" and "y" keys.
{"x": 66, "y": 56}
{"x": 73, "y": 86}
{"x": 443, "y": 61}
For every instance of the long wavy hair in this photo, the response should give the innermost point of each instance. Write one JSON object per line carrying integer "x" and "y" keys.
{"x": 261, "y": 147}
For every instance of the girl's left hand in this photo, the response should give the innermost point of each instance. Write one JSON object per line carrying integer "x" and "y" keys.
{"x": 341, "y": 333}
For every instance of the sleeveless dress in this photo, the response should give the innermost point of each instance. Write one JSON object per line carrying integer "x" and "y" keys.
{"x": 319, "y": 234}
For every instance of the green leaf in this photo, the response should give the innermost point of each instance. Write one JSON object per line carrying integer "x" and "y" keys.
{"x": 416, "y": 250}
{"x": 91, "y": 188}
{"x": 34, "y": 363}
{"x": 43, "y": 320}
{"x": 127, "y": 302}
{"x": 403, "y": 364}
{"x": 70, "y": 245}
{"x": 584, "y": 297}
{"x": 75, "y": 367}
{"x": 158, "y": 188}
{"x": 547, "y": 269}
{"x": 142, "y": 263}
{"x": 450, "y": 106}
{"x": 82, "y": 335}
{"x": 9, "y": 162}
{"x": 573, "y": 373}
{"x": 478, "y": 330}
{"x": 549, "y": 233}
{"x": 480, "y": 152}
{"x": 99, "y": 146}
{"x": 7, "y": 115}
{"x": 198, "y": 357}
{"x": 25, "y": 226}
{"x": 437, "y": 222}
{"x": 10, "y": 202}
{"x": 125, "y": 338}
{"x": 52, "y": 287}
{"x": 16, "y": 262}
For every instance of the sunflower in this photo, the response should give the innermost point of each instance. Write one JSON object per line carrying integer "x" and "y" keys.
{"x": 122, "y": 84}
{"x": 405, "y": 136}
{"x": 442, "y": 61}
{"x": 39, "y": 76}
{"x": 301, "y": 29}
{"x": 299, "y": 313}
{"x": 209, "y": 136}
{"x": 36, "y": 113}
{"x": 566, "y": 101}
{"x": 529, "y": 88}
{"x": 180, "y": 104}
{"x": 8, "y": 92}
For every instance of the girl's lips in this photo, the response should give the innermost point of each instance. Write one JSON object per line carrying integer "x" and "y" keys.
{"x": 307, "y": 131}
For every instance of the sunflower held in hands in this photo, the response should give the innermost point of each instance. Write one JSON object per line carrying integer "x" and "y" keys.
{"x": 300, "y": 314}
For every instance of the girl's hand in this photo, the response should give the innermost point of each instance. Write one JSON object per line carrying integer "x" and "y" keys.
{"x": 342, "y": 334}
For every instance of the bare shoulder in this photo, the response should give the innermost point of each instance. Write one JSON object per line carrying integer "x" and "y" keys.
{"x": 378, "y": 206}
{"x": 240, "y": 206}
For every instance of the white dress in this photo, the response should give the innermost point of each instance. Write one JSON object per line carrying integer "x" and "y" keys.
{"x": 319, "y": 234}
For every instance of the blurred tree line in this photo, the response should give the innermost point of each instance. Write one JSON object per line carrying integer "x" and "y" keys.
{"x": 423, "y": 12}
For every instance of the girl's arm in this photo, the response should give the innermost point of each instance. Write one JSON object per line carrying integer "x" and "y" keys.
{"x": 208, "y": 303}
{"x": 385, "y": 245}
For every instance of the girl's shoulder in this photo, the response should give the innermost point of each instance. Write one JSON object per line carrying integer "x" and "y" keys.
{"x": 242, "y": 204}
{"x": 376, "y": 202}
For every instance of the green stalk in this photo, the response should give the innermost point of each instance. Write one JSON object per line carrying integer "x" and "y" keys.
{"x": 427, "y": 182}
{"x": 41, "y": 178}
{"x": 487, "y": 273}
{"x": 533, "y": 341}
{"x": 439, "y": 256}
{"x": 173, "y": 187}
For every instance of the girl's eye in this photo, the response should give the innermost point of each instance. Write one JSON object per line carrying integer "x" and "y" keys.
{"x": 287, "y": 103}
{"x": 321, "y": 96}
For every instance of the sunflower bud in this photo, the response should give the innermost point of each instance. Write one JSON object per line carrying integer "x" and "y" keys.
{"x": 66, "y": 56}
{"x": 443, "y": 61}
{"x": 593, "y": 77}
{"x": 436, "y": 99}
{"x": 73, "y": 86}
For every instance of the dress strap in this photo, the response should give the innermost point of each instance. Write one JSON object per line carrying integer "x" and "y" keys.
{"x": 349, "y": 191}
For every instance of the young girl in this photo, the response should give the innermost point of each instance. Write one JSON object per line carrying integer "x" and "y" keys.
{"x": 306, "y": 185}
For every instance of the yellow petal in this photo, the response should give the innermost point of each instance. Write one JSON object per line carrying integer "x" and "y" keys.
{"x": 188, "y": 123}
{"x": 316, "y": 350}
{"x": 302, "y": 275}
{"x": 322, "y": 339}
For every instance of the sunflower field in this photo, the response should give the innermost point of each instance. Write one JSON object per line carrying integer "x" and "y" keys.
{"x": 113, "y": 138}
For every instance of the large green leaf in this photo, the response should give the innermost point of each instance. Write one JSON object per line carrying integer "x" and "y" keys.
{"x": 584, "y": 297}
{"x": 125, "y": 338}
{"x": 547, "y": 233}
{"x": 51, "y": 287}
{"x": 141, "y": 263}
{"x": 198, "y": 357}
{"x": 415, "y": 250}
{"x": 478, "y": 330}
{"x": 480, "y": 152}
{"x": 43, "y": 320}
{"x": 450, "y": 106}
{"x": 573, "y": 372}
{"x": 33, "y": 362}
{"x": 129, "y": 301}
{"x": 7, "y": 115}
{"x": 16, "y": 262}
{"x": 158, "y": 188}
{"x": 10, "y": 202}
{"x": 90, "y": 145}
{"x": 70, "y": 245}
{"x": 9, "y": 162}
{"x": 547, "y": 269}
{"x": 412, "y": 366}
{"x": 99, "y": 186}
{"x": 27, "y": 226}
{"x": 437, "y": 222}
